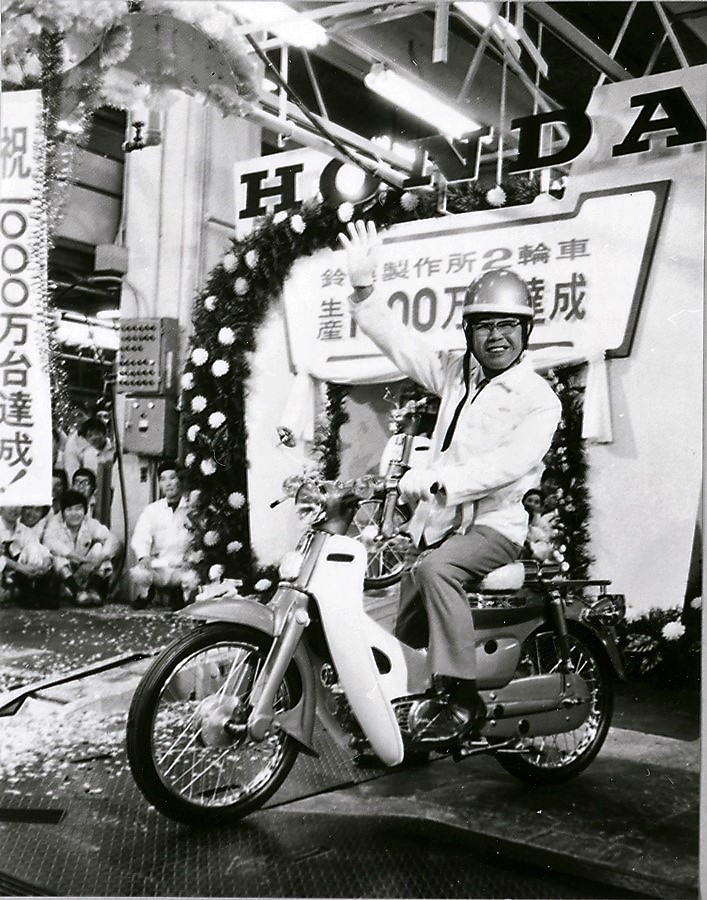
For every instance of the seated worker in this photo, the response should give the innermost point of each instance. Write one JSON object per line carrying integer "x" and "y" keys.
{"x": 36, "y": 518}
{"x": 541, "y": 531}
{"x": 160, "y": 542}
{"x": 82, "y": 551}
{"x": 84, "y": 481}
{"x": 87, "y": 446}
{"x": 25, "y": 565}
{"x": 60, "y": 484}
{"x": 495, "y": 424}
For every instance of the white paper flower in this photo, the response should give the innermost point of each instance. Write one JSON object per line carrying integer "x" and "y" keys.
{"x": 210, "y": 302}
{"x": 196, "y": 556}
{"x": 208, "y": 466}
{"x": 496, "y": 196}
{"x": 233, "y": 547}
{"x": 187, "y": 381}
{"x": 240, "y": 286}
{"x": 409, "y": 201}
{"x": 216, "y": 572}
{"x": 279, "y": 216}
{"x": 230, "y": 262}
{"x": 189, "y": 460}
{"x": 345, "y": 211}
{"x": 236, "y": 500}
{"x": 220, "y": 368}
{"x": 216, "y": 419}
{"x": 673, "y": 630}
{"x": 211, "y": 538}
{"x": 251, "y": 259}
{"x": 198, "y": 403}
{"x": 199, "y": 356}
{"x": 696, "y": 603}
{"x": 262, "y": 585}
{"x": 226, "y": 336}
{"x": 192, "y": 432}
{"x": 297, "y": 223}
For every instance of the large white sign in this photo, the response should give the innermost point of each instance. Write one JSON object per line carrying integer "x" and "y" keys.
{"x": 25, "y": 407}
{"x": 586, "y": 268}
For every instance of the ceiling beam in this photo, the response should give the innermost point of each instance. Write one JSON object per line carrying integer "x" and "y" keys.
{"x": 578, "y": 41}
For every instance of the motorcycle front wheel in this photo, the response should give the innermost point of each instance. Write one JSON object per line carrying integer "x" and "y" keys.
{"x": 386, "y": 557}
{"x": 554, "y": 759}
{"x": 185, "y": 755}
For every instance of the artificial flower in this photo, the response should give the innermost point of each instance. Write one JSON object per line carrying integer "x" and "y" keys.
{"x": 233, "y": 547}
{"x": 210, "y": 302}
{"x": 211, "y": 538}
{"x": 409, "y": 201}
{"x": 297, "y": 223}
{"x": 262, "y": 585}
{"x": 187, "y": 381}
{"x": 230, "y": 262}
{"x": 236, "y": 500}
{"x": 189, "y": 460}
{"x": 216, "y": 419}
{"x": 208, "y": 466}
{"x": 279, "y": 217}
{"x": 251, "y": 258}
{"x": 198, "y": 403}
{"x": 199, "y": 356}
{"x": 696, "y": 603}
{"x": 496, "y": 196}
{"x": 192, "y": 432}
{"x": 240, "y": 286}
{"x": 220, "y": 368}
{"x": 226, "y": 336}
{"x": 345, "y": 211}
{"x": 673, "y": 630}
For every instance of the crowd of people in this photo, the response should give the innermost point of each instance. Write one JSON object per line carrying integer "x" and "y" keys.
{"x": 63, "y": 555}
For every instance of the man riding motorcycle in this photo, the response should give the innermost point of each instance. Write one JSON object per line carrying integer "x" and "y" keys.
{"x": 495, "y": 424}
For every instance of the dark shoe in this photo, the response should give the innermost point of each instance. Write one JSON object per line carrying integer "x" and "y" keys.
{"x": 447, "y": 724}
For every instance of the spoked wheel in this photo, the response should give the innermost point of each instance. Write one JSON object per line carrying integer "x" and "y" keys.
{"x": 386, "y": 556}
{"x": 186, "y": 742}
{"x": 554, "y": 759}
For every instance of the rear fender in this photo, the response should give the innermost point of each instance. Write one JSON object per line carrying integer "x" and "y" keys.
{"x": 604, "y": 639}
{"x": 297, "y": 722}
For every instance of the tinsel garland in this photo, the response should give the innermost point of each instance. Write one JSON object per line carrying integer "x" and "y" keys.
{"x": 226, "y": 316}
{"x": 327, "y": 437}
{"x": 568, "y": 460}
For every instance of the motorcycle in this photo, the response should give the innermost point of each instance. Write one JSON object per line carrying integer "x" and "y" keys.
{"x": 218, "y": 720}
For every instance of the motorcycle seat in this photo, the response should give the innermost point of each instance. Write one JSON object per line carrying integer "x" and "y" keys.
{"x": 510, "y": 577}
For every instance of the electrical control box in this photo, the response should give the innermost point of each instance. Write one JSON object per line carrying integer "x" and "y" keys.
{"x": 151, "y": 426}
{"x": 147, "y": 360}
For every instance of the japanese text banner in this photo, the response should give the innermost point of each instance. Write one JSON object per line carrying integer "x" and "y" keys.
{"x": 586, "y": 267}
{"x": 25, "y": 407}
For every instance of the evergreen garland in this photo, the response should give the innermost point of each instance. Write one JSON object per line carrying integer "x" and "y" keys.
{"x": 227, "y": 314}
{"x": 327, "y": 438}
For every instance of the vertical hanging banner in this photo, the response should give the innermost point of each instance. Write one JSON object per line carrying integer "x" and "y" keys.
{"x": 25, "y": 406}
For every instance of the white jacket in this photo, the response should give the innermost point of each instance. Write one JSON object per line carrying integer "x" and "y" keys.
{"x": 162, "y": 534}
{"x": 500, "y": 438}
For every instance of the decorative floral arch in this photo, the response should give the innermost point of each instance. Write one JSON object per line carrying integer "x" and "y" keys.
{"x": 226, "y": 317}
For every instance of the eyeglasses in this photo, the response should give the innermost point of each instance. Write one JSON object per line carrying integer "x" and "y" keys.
{"x": 485, "y": 327}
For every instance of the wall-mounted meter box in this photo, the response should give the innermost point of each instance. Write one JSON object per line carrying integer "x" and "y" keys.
{"x": 147, "y": 359}
{"x": 151, "y": 426}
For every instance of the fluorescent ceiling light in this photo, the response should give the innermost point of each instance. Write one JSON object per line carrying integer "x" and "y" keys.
{"x": 283, "y": 21}
{"x": 483, "y": 14}
{"x": 415, "y": 100}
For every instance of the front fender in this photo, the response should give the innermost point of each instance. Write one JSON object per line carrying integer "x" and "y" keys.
{"x": 297, "y": 722}
{"x": 240, "y": 611}
{"x": 606, "y": 641}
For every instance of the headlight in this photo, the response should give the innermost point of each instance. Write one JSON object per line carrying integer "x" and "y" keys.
{"x": 310, "y": 501}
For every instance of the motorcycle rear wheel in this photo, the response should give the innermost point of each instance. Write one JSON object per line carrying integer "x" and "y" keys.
{"x": 182, "y": 759}
{"x": 557, "y": 758}
{"x": 386, "y": 557}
